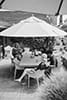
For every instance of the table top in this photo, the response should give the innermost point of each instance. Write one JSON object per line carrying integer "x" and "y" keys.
{"x": 28, "y": 61}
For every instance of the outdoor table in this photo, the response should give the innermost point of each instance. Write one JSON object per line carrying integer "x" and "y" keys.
{"x": 29, "y": 62}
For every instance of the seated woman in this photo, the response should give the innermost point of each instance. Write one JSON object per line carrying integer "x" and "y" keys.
{"x": 14, "y": 52}
{"x": 17, "y": 59}
{"x": 44, "y": 62}
{"x": 46, "y": 66}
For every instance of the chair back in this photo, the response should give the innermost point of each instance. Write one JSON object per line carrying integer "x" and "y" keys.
{"x": 36, "y": 74}
{"x": 16, "y": 62}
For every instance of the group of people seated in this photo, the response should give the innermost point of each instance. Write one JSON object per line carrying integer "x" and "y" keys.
{"x": 46, "y": 64}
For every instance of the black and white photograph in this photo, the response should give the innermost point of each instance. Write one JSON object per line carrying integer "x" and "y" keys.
{"x": 33, "y": 49}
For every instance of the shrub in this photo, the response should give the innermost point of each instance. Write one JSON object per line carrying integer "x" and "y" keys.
{"x": 54, "y": 88}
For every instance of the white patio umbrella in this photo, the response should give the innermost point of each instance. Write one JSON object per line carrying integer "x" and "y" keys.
{"x": 32, "y": 27}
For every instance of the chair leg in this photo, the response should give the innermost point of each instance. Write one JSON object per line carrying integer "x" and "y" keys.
{"x": 28, "y": 81}
{"x": 37, "y": 82}
{"x": 15, "y": 74}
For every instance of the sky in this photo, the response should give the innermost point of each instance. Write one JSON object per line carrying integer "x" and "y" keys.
{"x": 39, "y": 6}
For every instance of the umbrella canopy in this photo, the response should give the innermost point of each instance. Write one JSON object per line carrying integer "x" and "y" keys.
{"x": 32, "y": 27}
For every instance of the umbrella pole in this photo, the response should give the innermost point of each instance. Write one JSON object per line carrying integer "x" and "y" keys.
{"x": 3, "y": 41}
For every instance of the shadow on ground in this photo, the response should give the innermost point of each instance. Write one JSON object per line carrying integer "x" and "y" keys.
{"x": 7, "y": 83}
